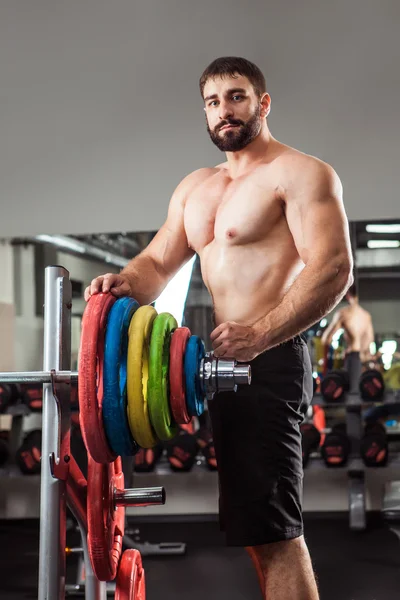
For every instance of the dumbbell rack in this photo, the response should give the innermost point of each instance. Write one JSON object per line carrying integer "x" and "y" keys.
{"x": 59, "y": 473}
{"x": 353, "y": 404}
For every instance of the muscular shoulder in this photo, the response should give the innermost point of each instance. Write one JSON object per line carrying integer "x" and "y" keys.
{"x": 191, "y": 181}
{"x": 303, "y": 172}
{"x": 367, "y": 315}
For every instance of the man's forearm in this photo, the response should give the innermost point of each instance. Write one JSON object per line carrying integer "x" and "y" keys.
{"x": 146, "y": 278}
{"x": 315, "y": 292}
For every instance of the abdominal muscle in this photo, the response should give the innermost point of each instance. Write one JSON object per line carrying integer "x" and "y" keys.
{"x": 247, "y": 281}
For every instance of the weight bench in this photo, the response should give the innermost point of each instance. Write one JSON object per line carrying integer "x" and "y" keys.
{"x": 391, "y": 506}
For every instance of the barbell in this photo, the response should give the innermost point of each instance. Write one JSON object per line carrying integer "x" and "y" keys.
{"x": 140, "y": 376}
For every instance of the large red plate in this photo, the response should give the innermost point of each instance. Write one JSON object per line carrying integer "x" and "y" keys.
{"x": 90, "y": 379}
{"x": 105, "y": 522}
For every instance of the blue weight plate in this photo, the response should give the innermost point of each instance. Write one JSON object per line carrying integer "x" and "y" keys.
{"x": 115, "y": 418}
{"x": 194, "y": 397}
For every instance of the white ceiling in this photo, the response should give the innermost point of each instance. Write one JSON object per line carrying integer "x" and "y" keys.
{"x": 100, "y": 113}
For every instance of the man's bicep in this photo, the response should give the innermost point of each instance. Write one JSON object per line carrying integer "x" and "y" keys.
{"x": 316, "y": 215}
{"x": 170, "y": 248}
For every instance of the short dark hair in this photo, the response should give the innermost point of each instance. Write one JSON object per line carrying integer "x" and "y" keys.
{"x": 229, "y": 66}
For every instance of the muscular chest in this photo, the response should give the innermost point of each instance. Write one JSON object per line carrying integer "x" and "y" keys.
{"x": 232, "y": 212}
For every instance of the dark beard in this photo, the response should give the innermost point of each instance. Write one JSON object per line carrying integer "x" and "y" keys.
{"x": 236, "y": 139}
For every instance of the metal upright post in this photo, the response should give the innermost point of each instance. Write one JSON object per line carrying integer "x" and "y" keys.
{"x": 55, "y": 435}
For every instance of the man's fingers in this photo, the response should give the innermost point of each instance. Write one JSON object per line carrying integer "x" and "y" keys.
{"x": 96, "y": 285}
{"x": 120, "y": 290}
{"x": 103, "y": 283}
{"x": 217, "y": 332}
{"x": 108, "y": 282}
{"x": 220, "y": 352}
{"x": 217, "y": 345}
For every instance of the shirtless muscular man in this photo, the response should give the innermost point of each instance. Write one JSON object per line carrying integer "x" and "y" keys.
{"x": 271, "y": 232}
{"x": 357, "y": 325}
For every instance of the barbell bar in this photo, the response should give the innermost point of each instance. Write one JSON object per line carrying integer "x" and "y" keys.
{"x": 216, "y": 375}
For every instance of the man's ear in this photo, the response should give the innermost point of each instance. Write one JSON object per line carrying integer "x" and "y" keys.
{"x": 265, "y": 102}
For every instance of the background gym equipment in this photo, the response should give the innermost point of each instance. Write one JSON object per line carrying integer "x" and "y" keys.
{"x": 374, "y": 445}
{"x": 336, "y": 447}
{"x": 61, "y": 478}
{"x": 29, "y": 454}
{"x": 33, "y": 396}
{"x": 391, "y": 507}
{"x": 335, "y": 384}
{"x": 351, "y": 444}
{"x": 10, "y": 394}
{"x": 372, "y": 386}
{"x": 205, "y": 441}
{"x": 147, "y": 458}
{"x": 182, "y": 451}
{"x": 310, "y": 440}
{"x": 4, "y": 448}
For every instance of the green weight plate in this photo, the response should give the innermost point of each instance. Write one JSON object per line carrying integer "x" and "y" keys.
{"x": 158, "y": 383}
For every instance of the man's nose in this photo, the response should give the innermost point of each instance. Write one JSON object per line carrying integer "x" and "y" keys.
{"x": 225, "y": 111}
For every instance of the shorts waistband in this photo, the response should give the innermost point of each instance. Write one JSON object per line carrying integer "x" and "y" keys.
{"x": 292, "y": 342}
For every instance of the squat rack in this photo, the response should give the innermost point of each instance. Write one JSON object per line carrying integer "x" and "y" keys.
{"x": 62, "y": 481}
{"x": 61, "y": 478}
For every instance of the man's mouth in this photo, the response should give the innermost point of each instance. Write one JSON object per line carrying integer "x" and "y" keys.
{"x": 228, "y": 127}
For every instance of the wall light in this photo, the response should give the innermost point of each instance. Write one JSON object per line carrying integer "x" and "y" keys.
{"x": 383, "y": 228}
{"x": 383, "y": 244}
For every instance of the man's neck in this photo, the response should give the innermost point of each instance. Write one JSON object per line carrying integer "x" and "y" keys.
{"x": 256, "y": 152}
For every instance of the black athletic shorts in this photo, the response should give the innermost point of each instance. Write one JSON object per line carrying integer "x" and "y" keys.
{"x": 258, "y": 447}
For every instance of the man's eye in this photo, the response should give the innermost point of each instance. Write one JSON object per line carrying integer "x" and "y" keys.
{"x": 213, "y": 103}
{"x": 237, "y": 96}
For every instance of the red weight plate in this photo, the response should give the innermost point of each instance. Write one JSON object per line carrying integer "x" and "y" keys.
{"x": 90, "y": 380}
{"x": 130, "y": 579}
{"x": 105, "y": 522}
{"x": 177, "y": 395}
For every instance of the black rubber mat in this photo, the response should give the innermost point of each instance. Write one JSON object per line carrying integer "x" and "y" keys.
{"x": 349, "y": 566}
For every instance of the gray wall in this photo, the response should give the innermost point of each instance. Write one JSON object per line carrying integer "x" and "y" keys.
{"x": 101, "y": 116}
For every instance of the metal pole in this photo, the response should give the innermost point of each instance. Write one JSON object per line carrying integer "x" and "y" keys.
{"x": 55, "y": 434}
{"x": 140, "y": 497}
{"x": 94, "y": 589}
{"x": 39, "y": 377}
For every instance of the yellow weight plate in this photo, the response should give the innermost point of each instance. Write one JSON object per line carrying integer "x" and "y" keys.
{"x": 138, "y": 373}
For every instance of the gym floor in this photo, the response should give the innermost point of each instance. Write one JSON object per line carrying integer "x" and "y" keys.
{"x": 349, "y": 566}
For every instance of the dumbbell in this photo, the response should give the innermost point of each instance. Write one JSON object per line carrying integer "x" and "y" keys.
{"x": 147, "y": 458}
{"x": 371, "y": 385}
{"x": 374, "y": 446}
{"x": 32, "y": 394}
{"x": 336, "y": 447}
{"x": 4, "y": 448}
{"x": 182, "y": 452}
{"x": 335, "y": 384}
{"x": 205, "y": 442}
{"x": 10, "y": 394}
{"x": 310, "y": 440}
{"x": 29, "y": 454}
